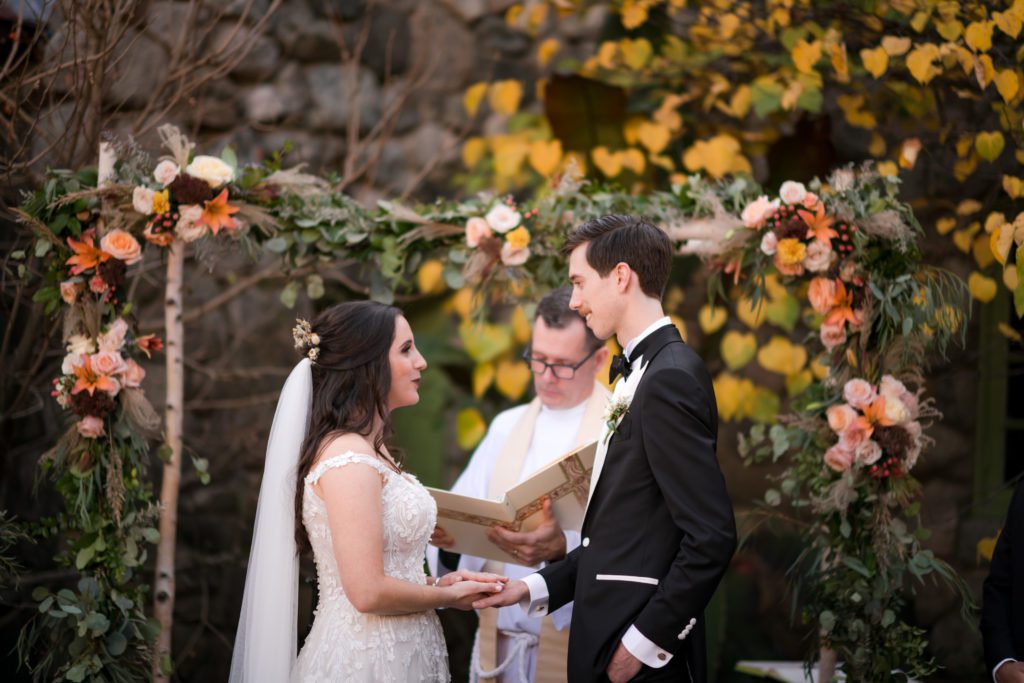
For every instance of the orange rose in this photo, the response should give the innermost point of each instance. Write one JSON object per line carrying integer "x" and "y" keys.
{"x": 822, "y": 294}
{"x": 121, "y": 245}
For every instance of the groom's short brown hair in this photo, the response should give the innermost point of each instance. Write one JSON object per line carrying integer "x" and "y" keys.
{"x": 637, "y": 242}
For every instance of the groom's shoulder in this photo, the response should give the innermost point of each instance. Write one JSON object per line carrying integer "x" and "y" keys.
{"x": 680, "y": 355}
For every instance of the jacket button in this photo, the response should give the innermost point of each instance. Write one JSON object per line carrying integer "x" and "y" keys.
{"x": 586, "y": 541}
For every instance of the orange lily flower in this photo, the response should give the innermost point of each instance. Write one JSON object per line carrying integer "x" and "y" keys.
{"x": 819, "y": 226}
{"x": 86, "y": 255}
{"x": 217, "y": 213}
{"x": 89, "y": 380}
{"x": 875, "y": 413}
{"x": 843, "y": 309}
{"x": 148, "y": 343}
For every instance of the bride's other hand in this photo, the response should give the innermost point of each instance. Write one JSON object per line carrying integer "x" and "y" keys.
{"x": 464, "y": 575}
{"x": 441, "y": 539}
{"x": 462, "y": 594}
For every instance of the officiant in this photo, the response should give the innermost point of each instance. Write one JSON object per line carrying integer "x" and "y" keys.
{"x": 564, "y": 356}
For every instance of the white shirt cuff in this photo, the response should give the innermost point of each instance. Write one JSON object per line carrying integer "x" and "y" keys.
{"x": 644, "y": 650}
{"x": 996, "y": 667}
{"x": 536, "y": 603}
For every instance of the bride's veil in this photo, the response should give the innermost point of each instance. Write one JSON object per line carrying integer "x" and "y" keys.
{"x": 265, "y": 642}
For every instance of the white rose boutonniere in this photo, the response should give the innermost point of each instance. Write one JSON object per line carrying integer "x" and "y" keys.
{"x": 613, "y": 414}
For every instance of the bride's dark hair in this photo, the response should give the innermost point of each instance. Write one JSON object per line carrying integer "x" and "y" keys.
{"x": 351, "y": 381}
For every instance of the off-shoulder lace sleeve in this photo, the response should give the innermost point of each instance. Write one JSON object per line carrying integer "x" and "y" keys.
{"x": 346, "y": 458}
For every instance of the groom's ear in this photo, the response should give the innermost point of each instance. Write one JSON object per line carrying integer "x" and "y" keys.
{"x": 623, "y": 275}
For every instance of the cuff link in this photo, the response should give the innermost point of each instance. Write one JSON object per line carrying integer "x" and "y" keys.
{"x": 686, "y": 631}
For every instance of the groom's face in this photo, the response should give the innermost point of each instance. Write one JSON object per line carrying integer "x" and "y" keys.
{"x": 596, "y": 298}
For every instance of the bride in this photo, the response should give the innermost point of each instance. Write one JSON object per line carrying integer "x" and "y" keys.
{"x": 331, "y": 484}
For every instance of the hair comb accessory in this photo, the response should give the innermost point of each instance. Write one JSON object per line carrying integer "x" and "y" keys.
{"x": 306, "y": 338}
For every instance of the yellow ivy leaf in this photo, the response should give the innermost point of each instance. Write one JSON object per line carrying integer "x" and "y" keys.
{"x": 741, "y": 101}
{"x": 483, "y": 375}
{"x": 751, "y": 316}
{"x": 513, "y": 376}
{"x": 509, "y": 153}
{"x": 547, "y": 50}
{"x": 894, "y": 46}
{"x": 986, "y": 547}
{"x": 982, "y": 253}
{"x": 782, "y": 356}
{"x": 877, "y": 145}
{"x": 1008, "y": 22}
{"x": 545, "y": 156}
{"x": 711, "y": 318}
{"x": 994, "y": 220}
{"x": 504, "y": 96}
{"x": 968, "y": 207}
{"x": 633, "y": 159}
{"x": 978, "y": 35}
{"x": 536, "y": 16}
{"x": 607, "y": 53}
{"x": 728, "y": 24}
{"x": 540, "y": 89}
{"x": 633, "y": 14}
{"x": 521, "y": 329}
{"x": 989, "y": 145}
{"x": 1000, "y": 242}
{"x": 662, "y": 161}
{"x": 430, "y": 277}
{"x": 945, "y": 224}
{"x": 474, "y": 95}
{"x": 719, "y": 156}
{"x": 1008, "y": 84}
{"x": 1013, "y": 186}
{"x": 1010, "y": 333}
{"x": 984, "y": 70}
{"x": 920, "y": 62}
{"x": 876, "y": 60}
{"x": 575, "y": 163}
{"x": 631, "y": 129}
{"x": 469, "y": 428}
{"x": 727, "y": 390}
{"x": 982, "y": 288}
{"x": 819, "y": 367}
{"x": 653, "y": 136}
{"x": 681, "y": 326}
{"x": 762, "y": 405}
{"x": 962, "y": 239}
{"x": 513, "y": 15}
{"x": 805, "y": 55}
{"x": 950, "y": 30}
{"x": 919, "y": 21}
{"x": 888, "y": 169}
{"x": 797, "y": 383}
{"x": 909, "y": 151}
{"x": 1010, "y": 277}
{"x": 608, "y": 163}
{"x": 738, "y": 348}
{"x": 485, "y": 341}
{"x": 473, "y": 151}
{"x": 636, "y": 53}
{"x": 837, "y": 55}
{"x": 461, "y": 303}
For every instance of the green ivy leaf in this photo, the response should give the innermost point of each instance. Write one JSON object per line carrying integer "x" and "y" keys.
{"x": 290, "y": 294}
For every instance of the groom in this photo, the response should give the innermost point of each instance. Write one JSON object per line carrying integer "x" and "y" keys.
{"x": 659, "y": 531}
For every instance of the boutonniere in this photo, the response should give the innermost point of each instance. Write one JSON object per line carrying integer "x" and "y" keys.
{"x": 613, "y": 414}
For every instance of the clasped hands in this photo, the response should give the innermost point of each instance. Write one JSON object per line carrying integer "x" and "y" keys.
{"x": 466, "y": 587}
{"x": 544, "y": 544}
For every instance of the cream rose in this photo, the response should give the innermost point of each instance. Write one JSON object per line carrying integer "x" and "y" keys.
{"x": 69, "y": 290}
{"x": 165, "y": 172}
{"x": 502, "y": 218}
{"x": 868, "y": 452}
{"x": 770, "y": 243}
{"x": 142, "y": 200}
{"x": 90, "y": 427}
{"x": 890, "y": 386}
{"x": 189, "y": 229}
{"x": 839, "y": 458}
{"x": 121, "y": 245}
{"x": 211, "y": 169}
{"x": 108, "y": 363}
{"x": 70, "y": 362}
{"x": 757, "y": 211}
{"x": 514, "y": 257}
{"x": 895, "y": 411}
{"x": 81, "y": 344}
{"x": 822, "y": 294}
{"x": 832, "y": 335}
{"x": 113, "y": 339}
{"x": 819, "y": 257}
{"x": 792, "y": 192}
{"x": 476, "y": 230}
{"x": 133, "y": 374}
{"x": 859, "y": 393}
{"x": 840, "y": 417}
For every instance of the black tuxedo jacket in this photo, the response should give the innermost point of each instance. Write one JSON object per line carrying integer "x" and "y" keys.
{"x": 1002, "y": 608}
{"x": 659, "y": 531}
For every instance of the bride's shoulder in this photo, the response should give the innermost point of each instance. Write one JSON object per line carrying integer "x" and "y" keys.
{"x": 347, "y": 443}
{"x": 345, "y": 449}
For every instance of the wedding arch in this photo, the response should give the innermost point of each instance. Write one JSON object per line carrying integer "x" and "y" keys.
{"x": 837, "y": 260}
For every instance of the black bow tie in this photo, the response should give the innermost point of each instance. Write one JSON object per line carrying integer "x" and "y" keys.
{"x": 620, "y": 366}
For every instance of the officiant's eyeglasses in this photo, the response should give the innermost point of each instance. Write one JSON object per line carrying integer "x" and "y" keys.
{"x": 559, "y": 370}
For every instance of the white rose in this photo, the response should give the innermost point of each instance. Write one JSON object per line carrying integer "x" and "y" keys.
{"x": 211, "y": 169}
{"x": 71, "y": 361}
{"x": 165, "y": 172}
{"x": 895, "y": 410}
{"x": 770, "y": 243}
{"x": 113, "y": 339}
{"x": 868, "y": 452}
{"x": 189, "y": 229}
{"x": 819, "y": 257}
{"x": 81, "y": 344}
{"x": 792, "y": 192}
{"x": 758, "y": 210}
{"x": 890, "y": 386}
{"x": 502, "y": 218}
{"x": 142, "y": 200}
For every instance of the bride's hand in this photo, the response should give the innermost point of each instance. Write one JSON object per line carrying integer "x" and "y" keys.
{"x": 462, "y": 594}
{"x": 464, "y": 575}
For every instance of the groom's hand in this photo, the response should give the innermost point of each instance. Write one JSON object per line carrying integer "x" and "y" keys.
{"x": 624, "y": 666}
{"x": 544, "y": 544}
{"x": 513, "y": 592}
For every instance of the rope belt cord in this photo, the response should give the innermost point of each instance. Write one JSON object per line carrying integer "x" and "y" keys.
{"x": 521, "y": 642}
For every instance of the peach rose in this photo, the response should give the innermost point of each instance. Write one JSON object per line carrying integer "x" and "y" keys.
{"x": 856, "y": 433}
{"x": 514, "y": 257}
{"x": 476, "y": 230}
{"x": 90, "y": 427}
{"x": 108, "y": 363}
{"x": 890, "y": 386}
{"x": 121, "y": 245}
{"x": 113, "y": 339}
{"x": 811, "y": 201}
{"x": 502, "y": 218}
{"x": 165, "y": 172}
{"x": 859, "y": 393}
{"x": 868, "y": 452}
{"x": 822, "y": 294}
{"x": 839, "y": 458}
{"x": 142, "y": 200}
{"x": 70, "y": 289}
{"x": 792, "y": 192}
{"x": 832, "y": 334}
{"x": 133, "y": 374}
{"x": 819, "y": 257}
{"x": 770, "y": 243}
{"x": 189, "y": 229}
{"x": 757, "y": 211}
{"x": 840, "y": 417}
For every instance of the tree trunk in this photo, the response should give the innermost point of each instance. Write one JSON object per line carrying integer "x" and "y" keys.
{"x": 827, "y": 665}
{"x": 163, "y": 608}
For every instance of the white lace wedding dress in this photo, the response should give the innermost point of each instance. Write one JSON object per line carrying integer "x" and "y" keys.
{"x": 345, "y": 645}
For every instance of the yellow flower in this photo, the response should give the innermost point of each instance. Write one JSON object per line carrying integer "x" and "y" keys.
{"x": 518, "y": 238}
{"x": 161, "y": 202}
{"x": 791, "y": 251}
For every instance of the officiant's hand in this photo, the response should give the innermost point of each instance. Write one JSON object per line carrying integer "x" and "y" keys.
{"x": 441, "y": 539}
{"x": 514, "y": 592}
{"x": 465, "y": 575}
{"x": 624, "y": 666}
{"x": 546, "y": 543}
